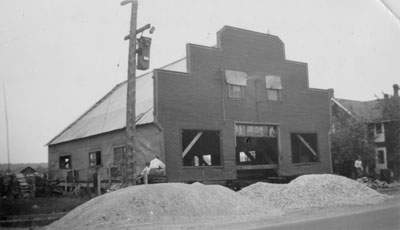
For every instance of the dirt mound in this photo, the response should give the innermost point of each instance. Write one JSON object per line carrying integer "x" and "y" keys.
{"x": 312, "y": 191}
{"x": 159, "y": 203}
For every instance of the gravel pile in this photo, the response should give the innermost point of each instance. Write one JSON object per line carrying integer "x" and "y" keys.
{"x": 161, "y": 204}
{"x": 310, "y": 191}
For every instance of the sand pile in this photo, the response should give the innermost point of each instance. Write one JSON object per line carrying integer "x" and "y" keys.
{"x": 160, "y": 203}
{"x": 312, "y": 191}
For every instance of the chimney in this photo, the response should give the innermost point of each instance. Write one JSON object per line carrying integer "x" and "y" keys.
{"x": 331, "y": 92}
{"x": 395, "y": 90}
{"x": 386, "y": 96}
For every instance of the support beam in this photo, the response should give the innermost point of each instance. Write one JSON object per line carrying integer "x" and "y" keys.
{"x": 307, "y": 145}
{"x": 195, "y": 139}
{"x": 249, "y": 156}
{"x": 267, "y": 158}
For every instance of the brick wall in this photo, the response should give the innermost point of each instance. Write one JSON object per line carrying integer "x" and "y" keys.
{"x": 199, "y": 100}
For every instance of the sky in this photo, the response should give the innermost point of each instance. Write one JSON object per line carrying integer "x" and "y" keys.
{"x": 58, "y": 58}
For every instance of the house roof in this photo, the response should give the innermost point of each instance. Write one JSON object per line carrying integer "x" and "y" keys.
{"x": 365, "y": 110}
{"x": 109, "y": 113}
{"x": 27, "y": 170}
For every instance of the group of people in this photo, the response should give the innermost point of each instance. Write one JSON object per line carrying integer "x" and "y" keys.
{"x": 154, "y": 167}
{"x": 157, "y": 167}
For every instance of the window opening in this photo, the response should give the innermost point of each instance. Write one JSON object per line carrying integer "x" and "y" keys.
{"x": 95, "y": 158}
{"x": 65, "y": 162}
{"x": 236, "y": 81}
{"x": 236, "y": 91}
{"x": 274, "y": 88}
{"x": 201, "y": 148}
{"x": 304, "y": 147}
{"x": 119, "y": 154}
{"x": 256, "y": 144}
{"x": 273, "y": 95}
{"x": 381, "y": 157}
{"x": 378, "y": 128}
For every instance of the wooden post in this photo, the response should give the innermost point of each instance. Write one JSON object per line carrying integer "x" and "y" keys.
{"x": 65, "y": 183}
{"x": 98, "y": 184}
{"x": 129, "y": 169}
{"x": 5, "y": 111}
{"x": 145, "y": 177}
{"x": 109, "y": 176}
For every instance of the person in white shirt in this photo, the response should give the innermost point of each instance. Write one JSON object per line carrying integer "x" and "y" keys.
{"x": 157, "y": 166}
{"x": 145, "y": 172}
{"x": 358, "y": 167}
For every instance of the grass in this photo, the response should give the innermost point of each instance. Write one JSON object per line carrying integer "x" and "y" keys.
{"x": 39, "y": 205}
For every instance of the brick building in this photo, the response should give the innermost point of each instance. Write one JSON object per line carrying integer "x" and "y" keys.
{"x": 239, "y": 110}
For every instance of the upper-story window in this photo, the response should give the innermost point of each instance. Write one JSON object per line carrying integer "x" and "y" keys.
{"x": 237, "y": 82}
{"x": 379, "y": 132}
{"x": 236, "y": 91}
{"x": 274, "y": 88}
{"x": 378, "y": 128}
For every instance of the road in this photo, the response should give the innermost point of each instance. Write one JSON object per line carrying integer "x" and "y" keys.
{"x": 378, "y": 219}
{"x": 382, "y": 216}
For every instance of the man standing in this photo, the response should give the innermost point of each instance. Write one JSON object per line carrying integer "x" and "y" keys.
{"x": 358, "y": 167}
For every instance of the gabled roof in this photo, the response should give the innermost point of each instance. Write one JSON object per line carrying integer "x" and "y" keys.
{"x": 365, "y": 110}
{"x": 109, "y": 113}
{"x": 27, "y": 170}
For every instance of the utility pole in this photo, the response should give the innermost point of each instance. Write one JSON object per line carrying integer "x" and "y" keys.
{"x": 129, "y": 164}
{"x": 5, "y": 110}
{"x": 130, "y": 158}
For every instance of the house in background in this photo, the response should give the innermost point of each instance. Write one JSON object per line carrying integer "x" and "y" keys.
{"x": 28, "y": 171}
{"x": 236, "y": 111}
{"x": 372, "y": 113}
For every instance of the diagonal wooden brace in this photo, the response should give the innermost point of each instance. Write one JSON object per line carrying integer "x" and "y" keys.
{"x": 195, "y": 139}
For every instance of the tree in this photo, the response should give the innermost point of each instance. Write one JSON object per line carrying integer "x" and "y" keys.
{"x": 350, "y": 138}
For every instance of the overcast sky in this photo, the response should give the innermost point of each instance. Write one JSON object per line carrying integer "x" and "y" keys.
{"x": 57, "y": 58}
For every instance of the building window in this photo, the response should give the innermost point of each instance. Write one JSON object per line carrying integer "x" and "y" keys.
{"x": 304, "y": 147}
{"x": 378, "y": 128}
{"x": 274, "y": 88}
{"x": 236, "y": 81}
{"x": 119, "y": 154}
{"x": 236, "y": 91}
{"x": 273, "y": 95}
{"x": 201, "y": 148}
{"x": 381, "y": 157}
{"x": 65, "y": 162}
{"x": 256, "y": 144}
{"x": 95, "y": 158}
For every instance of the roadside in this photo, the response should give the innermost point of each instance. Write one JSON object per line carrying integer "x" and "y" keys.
{"x": 300, "y": 216}
{"x": 289, "y": 217}
{"x": 292, "y": 217}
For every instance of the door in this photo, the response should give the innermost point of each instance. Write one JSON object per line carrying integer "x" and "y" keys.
{"x": 380, "y": 158}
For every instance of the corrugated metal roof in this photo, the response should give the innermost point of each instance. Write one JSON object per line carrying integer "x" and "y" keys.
{"x": 366, "y": 110}
{"x": 109, "y": 113}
